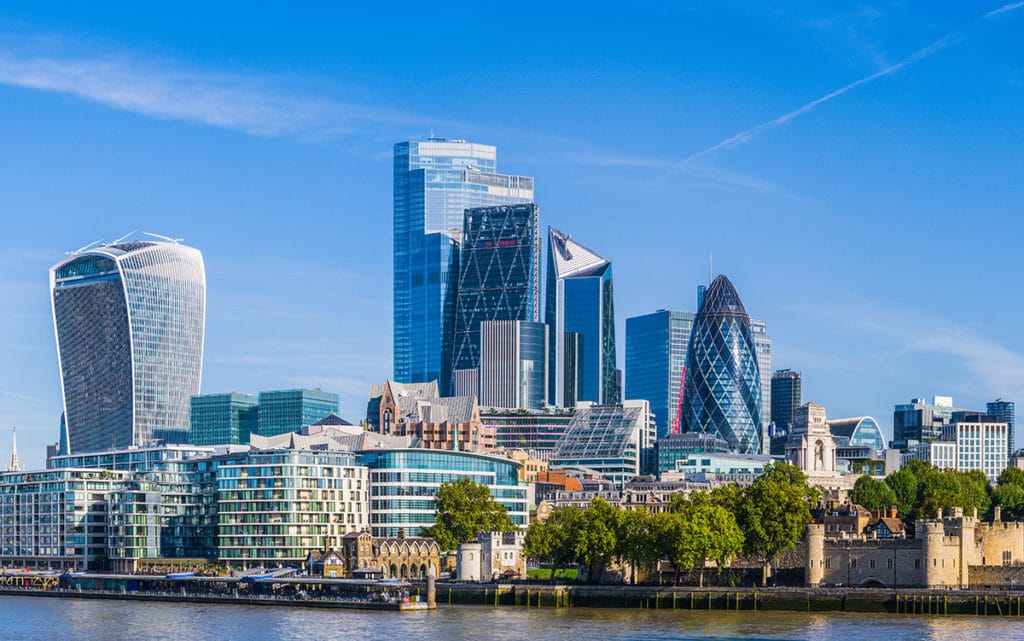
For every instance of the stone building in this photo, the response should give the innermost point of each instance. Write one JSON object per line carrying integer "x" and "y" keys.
{"x": 945, "y": 552}
{"x": 494, "y": 556}
{"x": 398, "y": 557}
{"x": 440, "y": 422}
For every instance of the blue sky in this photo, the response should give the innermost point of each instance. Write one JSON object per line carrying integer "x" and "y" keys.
{"x": 855, "y": 169}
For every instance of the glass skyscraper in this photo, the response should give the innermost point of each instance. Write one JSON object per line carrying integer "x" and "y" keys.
{"x": 434, "y": 183}
{"x": 580, "y": 310}
{"x": 223, "y": 419}
{"x": 655, "y": 360}
{"x": 129, "y": 320}
{"x": 513, "y": 364}
{"x": 722, "y": 392}
{"x": 283, "y": 411}
{"x": 499, "y": 275}
{"x": 1004, "y": 411}
{"x": 785, "y": 398}
{"x": 763, "y": 348}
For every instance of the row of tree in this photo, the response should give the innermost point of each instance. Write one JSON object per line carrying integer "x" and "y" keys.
{"x": 761, "y": 521}
{"x": 919, "y": 490}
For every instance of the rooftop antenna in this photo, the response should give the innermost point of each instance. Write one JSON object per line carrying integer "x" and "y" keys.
{"x": 166, "y": 238}
{"x": 85, "y": 247}
{"x": 122, "y": 237}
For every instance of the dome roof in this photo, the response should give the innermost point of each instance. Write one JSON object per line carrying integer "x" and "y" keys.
{"x": 722, "y": 299}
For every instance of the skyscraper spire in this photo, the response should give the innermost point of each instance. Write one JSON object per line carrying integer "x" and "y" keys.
{"x": 15, "y": 466}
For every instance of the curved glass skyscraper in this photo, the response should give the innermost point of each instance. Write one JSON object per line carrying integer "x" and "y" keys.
{"x": 722, "y": 391}
{"x": 129, "y": 321}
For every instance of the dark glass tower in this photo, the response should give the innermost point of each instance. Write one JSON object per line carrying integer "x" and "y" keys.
{"x": 580, "y": 309}
{"x": 1004, "y": 411}
{"x": 785, "y": 398}
{"x": 499, "y": 275}
{"x": 722, "y": 391}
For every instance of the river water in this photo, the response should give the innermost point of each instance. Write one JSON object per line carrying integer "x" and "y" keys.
{"x": 34, "y": 618}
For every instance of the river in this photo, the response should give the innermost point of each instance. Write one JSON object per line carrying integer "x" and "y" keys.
{"x": 49, "y": 619}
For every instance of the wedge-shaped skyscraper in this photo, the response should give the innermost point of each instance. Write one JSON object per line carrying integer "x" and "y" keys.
{"x": 129, "y": 320}
{"x": 579, "y": 309}
{"x": 722, "y": 391}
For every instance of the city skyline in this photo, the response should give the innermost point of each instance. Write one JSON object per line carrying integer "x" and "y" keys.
{"x": 855, "y": 220}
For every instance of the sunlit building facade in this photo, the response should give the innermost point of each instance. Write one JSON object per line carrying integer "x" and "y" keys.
{"x": 513, "y": 364}
{"x": 722, "y": 391}
{"x": 129, "y": 320}
{"x": 580, "y": 309}
{"x": 435, "y": 181}
{"x": 655, "y": 359}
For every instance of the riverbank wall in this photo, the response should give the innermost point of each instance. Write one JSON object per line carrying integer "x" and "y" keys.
{"x": 935, "y": 602}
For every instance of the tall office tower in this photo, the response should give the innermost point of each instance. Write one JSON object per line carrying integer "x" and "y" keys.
{"x": 434, "y": 183}
{"x": 763, "y": 347}
{"x": 655, "y": 359}
{"x": 921, "y": 421}
{"x": 499, "y": 275}
{"x": 1003, "y": 410}
{"x": 579, "y": 301}
{"x": 513, "y": 364}
{"x": 223, "y": 419}
{"x": 129, "y": 321}
{"x": 283, "y": 411}
{"x": 785, "y": 398}
{"x": 722, "y": 392}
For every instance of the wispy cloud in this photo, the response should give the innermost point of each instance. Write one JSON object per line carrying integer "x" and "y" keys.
{"x": 750, "y": 134}
{"x": 994, "y": 369}
{"x": 165, "y": 90}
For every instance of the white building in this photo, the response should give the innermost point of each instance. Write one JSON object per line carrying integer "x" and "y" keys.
{"x": 616, "y": 441}
{"x": 978, "y": 442}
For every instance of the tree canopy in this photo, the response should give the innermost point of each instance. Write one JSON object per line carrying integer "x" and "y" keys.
{"x": 466, "y": 508}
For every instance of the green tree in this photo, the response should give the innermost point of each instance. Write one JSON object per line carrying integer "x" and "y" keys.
{"x": 595, "y": 545}
{"x": 1012, "y": 476}
{"x": 774, "y": 513}
{"x": 872, "y": 493}
{"x": 634, "y": 540}
{"x": 554, "y": 539}
{"x": 466, "y": 508}
{"x": 1010, "y": 498}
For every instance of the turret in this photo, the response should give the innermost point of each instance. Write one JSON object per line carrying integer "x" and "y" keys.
{"x": 815, "y": 570}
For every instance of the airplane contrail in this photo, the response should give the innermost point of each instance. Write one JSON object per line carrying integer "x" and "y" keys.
{"x": 747, "y": 135}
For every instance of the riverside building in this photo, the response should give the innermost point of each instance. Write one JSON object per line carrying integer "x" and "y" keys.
{"x": 403, "y": 483}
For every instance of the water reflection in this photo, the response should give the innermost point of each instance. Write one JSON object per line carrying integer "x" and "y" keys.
{"x": 84, "y": 620}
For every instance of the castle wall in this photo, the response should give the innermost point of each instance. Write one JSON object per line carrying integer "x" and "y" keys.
{"x": 1000, "y": 543}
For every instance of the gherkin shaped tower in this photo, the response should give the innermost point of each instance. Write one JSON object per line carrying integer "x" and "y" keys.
{"x": 722, "y": 392}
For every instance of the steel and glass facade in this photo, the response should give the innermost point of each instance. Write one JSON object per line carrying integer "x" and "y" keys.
{"x": 403, "y": 483}
{"x": 223, "y": 419}
{"x": 722, "y": 391}
{"x": 499, "y": 275}
{"x": 435, "y": 181}
{"x": 655, "y": 360}
{"x": 275, "y": 506}
{"x": 283, "y": 411}
{"x": 513, "y": 365}
{"x": 56, "y": 519}
{"x": 616, "y": 441}
{"x": 785, "y": 398}
{"x": 579, "y": 301}
{"x": 535, "y": 432}
{"x": 129, "y": 321}
{"x": 1004, "y": 411}
{"x": 763, "y": 349}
